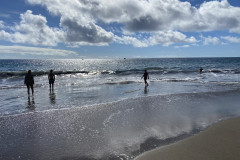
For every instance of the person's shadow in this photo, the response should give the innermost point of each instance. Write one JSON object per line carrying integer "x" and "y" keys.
{"x": 52, "y": 96}
{"x": 31, "y": 103}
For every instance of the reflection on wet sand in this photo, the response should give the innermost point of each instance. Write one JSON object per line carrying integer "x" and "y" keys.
{"x": 31, "y": 103}
{"x": 145, "y": 90}
{"x": 52, "y": 96}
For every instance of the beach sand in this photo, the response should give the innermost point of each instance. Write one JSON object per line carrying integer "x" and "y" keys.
{"x": 221, "y": 141}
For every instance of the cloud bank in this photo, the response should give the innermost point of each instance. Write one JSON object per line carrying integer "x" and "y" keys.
{"x": 142, "y": 23}
{"x": 22, "y": 50}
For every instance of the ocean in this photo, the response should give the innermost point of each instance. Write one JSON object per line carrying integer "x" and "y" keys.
{"x": 101, "y": 109}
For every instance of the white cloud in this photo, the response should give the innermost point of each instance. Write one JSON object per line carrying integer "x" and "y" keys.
{"x": 78, "y": 22}
{"x": 1, "y": 24}
{"x": 82, "y": 21}
{"x": 220, "y": 16}
{"x": 5, "y": 35}
{"x": 5, "y": 15}
{"x": 231, "y": 39}
{"x": 163, "y": 38}
{"x": 132, "y": 41}
{"x": 33, "y": 30}
{"x": 170, "y": 37}
{"x": 150, "y": 15}
{"x": 85, "y": 33}
{"x": 211, "y": 40}
{"x": 23, "y": 50}
{"x": 184, "y": 46}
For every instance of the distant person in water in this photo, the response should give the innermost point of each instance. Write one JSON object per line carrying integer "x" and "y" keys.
{"x": 200, "y": 70}
{"x": 51, "y": 78}
{"x": 145, "y": 76}
{"x": 29, "y": 81}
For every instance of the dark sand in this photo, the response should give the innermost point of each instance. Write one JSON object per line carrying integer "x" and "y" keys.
{"x": 218, "y": 142}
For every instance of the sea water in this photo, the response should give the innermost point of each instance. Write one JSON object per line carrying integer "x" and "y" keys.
{"x": 101, "y": 109}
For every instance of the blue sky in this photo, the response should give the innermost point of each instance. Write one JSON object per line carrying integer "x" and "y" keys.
{"x": 119, "y": 28}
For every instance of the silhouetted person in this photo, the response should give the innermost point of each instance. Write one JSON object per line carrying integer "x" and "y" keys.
{"x": 51, "y": 78}
{"x": 29, "y": 81}
{"x": 200, "y": 70}
{"x": 145, "y": 76}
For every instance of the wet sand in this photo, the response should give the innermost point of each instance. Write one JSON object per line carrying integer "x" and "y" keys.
{"x": 218, "y": 142}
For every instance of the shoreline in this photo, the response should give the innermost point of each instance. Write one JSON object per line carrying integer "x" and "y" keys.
{"x": 95, "y": 105}
{"x": 221, "y": 141}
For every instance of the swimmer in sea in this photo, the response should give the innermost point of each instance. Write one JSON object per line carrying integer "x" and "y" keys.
{"x": 200, "y": 70}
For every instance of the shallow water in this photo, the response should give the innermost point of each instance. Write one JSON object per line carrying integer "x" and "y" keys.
{"x": 17, "y": 101}
{"x": 100, "y": 109}
{"x": 122, "y": 129}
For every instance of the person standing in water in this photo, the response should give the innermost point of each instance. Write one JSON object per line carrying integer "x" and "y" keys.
{"x": 51, "y": 78}
{"x": 145, "y": 76}
{"x": 29, "y": 81}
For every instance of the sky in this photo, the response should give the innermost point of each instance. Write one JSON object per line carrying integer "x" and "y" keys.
{"x": 39, "y": 29}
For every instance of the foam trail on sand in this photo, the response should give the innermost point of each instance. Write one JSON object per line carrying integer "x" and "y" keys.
{"x": 220, "y": 141}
